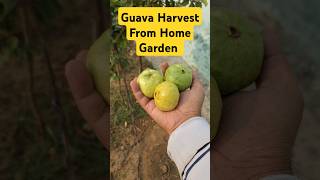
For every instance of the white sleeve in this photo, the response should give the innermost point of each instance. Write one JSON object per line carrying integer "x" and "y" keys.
{"x": 189, "y": 148}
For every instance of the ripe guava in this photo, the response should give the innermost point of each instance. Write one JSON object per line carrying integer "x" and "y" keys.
{"x": 166, "y": 96}
{"x": 148, "y": 80}
{"x": 237, "y": 50}
{"x": 98, "y": 63}
{"x": 217, "y": 108}
{"x": 180, "y": 75}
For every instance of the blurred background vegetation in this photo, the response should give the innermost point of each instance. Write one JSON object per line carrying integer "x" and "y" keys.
{"x": 42, "y": 134}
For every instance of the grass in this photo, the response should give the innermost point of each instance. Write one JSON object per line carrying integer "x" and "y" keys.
{"x": 120, "y": 111}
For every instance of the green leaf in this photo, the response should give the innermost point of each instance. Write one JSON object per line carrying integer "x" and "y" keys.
{"x": 185, "y": 2}
{"x": 167, "y": 3}
{"x": 198, "y": 4}
{"x": 205, "y": 2}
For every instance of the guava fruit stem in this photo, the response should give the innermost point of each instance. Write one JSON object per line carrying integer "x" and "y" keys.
{"x": 234, "y": 32}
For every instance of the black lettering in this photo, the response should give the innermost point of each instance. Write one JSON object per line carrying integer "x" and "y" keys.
{"x": 142, "y": 47}
{"x": 166, "y": 33}
{"x": 174, "y": 49}
{"x": 188, "y": 33}
{"x": 163, "y": 17}
{"x": 186, "y": 19}
{"x": 191, "y": 19}
{"x": 124, "y": 17}
{"x": 135, "y": 33}
{"x": 197, "y": 17}
{"x": 162, "y": 48}
{"x": 132, "y": 31}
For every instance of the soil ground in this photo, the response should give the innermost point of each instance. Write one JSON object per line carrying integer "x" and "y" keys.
{"x": 139, "y": 152}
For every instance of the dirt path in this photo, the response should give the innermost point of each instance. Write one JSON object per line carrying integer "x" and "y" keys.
{"x": 139, "y": 152}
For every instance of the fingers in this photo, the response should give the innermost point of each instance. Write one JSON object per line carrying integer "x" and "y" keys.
{"x": 196, "y": 83}
{"x": 78, "y": 77}
{"x": 271, "y": 42}
{"x": 197, "y": 90}
{"x": 146, "y": 103}
{"x": 163, "y": 67}
{"x": 89, "y": 102}
{"x": 275, "y": 70}
{"x": 141, "y": 99}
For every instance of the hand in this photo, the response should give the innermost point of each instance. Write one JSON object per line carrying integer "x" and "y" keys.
{"x": 88, "y": 100}
{"x": 189, "y": 106}
{"x": 258, "y": 128}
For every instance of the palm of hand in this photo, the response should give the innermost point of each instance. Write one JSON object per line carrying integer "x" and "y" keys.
{"x": 189, "y": 106}
{"x": 258, "y": 128}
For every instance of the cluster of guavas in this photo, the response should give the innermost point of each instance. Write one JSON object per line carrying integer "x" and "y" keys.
{"x": 165, "y": 90}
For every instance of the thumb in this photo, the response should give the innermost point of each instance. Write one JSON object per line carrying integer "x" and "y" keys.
{"x": 164, "y": 66}
{"x": 275, "y": 70}
{"x": 196, "y": 86}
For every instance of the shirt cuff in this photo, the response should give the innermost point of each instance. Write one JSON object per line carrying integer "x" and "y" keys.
{"x": 187, "y": 139}
{"x": 280, "y": 177}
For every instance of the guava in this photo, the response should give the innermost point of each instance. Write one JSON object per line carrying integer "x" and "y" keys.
{"x": 237, "y": 50}
{"x": 180, "y": 75}
{"x": 217, "y": 108}
{"x": 166, "y": 96}
{"x": 148, "y": 80}
{"x": 98, "y": 63}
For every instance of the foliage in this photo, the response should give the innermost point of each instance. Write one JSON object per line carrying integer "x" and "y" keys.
{"x": 120, "y": 113}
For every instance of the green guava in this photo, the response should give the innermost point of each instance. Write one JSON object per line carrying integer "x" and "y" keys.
{"x": 166, "y": 96}
{"x": 237, "y": 50}
{"x": 148, "y": 80}
{"x": 217, "y": 108}
{"x": 180, "y": 75}
{"x": 98, "y": 63}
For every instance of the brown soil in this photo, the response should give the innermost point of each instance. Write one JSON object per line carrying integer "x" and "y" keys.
{"x": 139, "y": 152}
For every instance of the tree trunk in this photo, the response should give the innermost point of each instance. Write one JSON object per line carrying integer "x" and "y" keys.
{"x": 140, "y": 64}
{"x": 119, "y": 82}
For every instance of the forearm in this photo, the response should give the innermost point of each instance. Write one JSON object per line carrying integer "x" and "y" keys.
{"x": 189, "y": 148}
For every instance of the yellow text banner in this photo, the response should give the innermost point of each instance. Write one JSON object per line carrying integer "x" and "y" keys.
{"x": 159, "y": 31}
